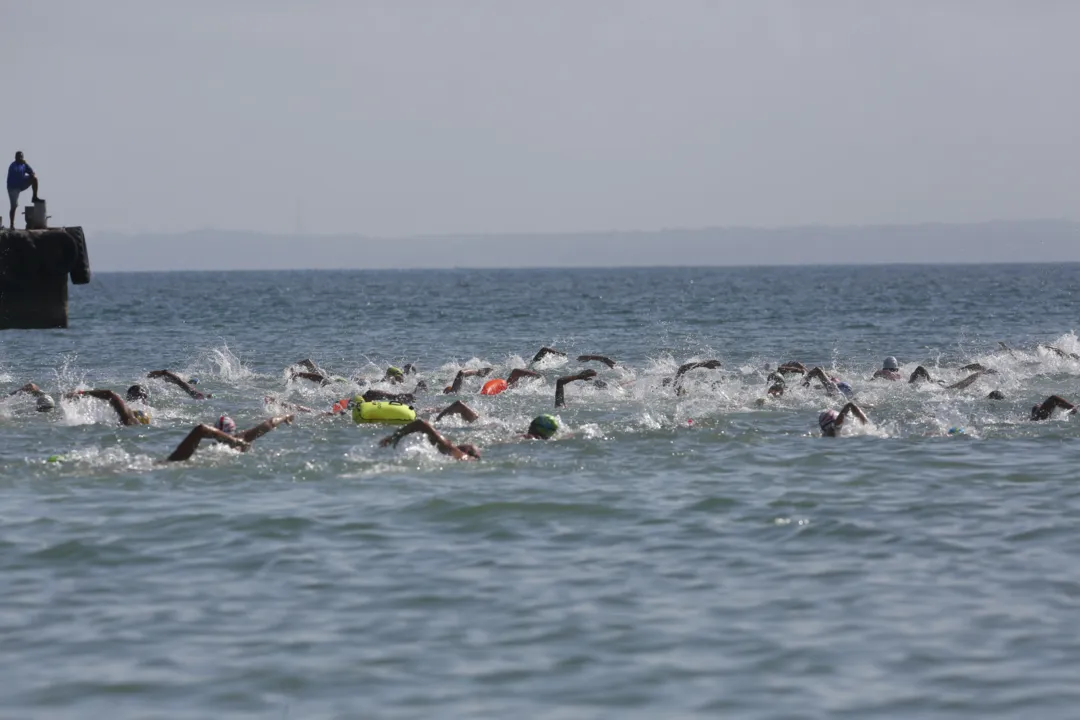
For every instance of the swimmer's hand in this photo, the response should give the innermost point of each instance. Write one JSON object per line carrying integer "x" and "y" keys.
{"x": 586, "y": 374}
{"x": 598, "y": 358}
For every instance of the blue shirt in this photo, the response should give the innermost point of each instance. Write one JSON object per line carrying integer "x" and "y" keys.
{"x": 18, "y": 175}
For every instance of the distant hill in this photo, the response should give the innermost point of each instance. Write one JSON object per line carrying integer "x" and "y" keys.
{"x": 990, "y": 242}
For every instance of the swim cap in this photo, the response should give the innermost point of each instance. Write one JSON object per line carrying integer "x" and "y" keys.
{"x": 845, "y": 388}
{"x": 827, "y": 420}
{"x": 54, "y": 458}
{"x": 544, "y": 426}
{"x": 142, "y": 417}
{"x": 45, "y": 403}
{"x": 395, "y": 372}
{"x": 137, "y": 392}
{"x": 193, "y": 381}
{"x": 226, "y": 425}
{"x": 356, "y": 401}
{"x": 956, "y": 431}
{"x": 996, "y": 395}
{"x": 890, "y": 364}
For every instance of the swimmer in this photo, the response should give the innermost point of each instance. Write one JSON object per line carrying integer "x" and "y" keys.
{"x": 176, "y": 380}
{"x": 455, "y": 387}
{"x": 676, "y": 381}
{"x": 890, "y": 370}
{"x": 832, "y": 422}
{"x": 1046, "y": 409}
{"x": 563, "y": 381}
{"x": 45, "y": 403}
{"x": 544, "y": 352}
{"x": 224, "y": 431}
{"x": 597, "y": 358}
{"x": 1061, "y": 353}
{"x": 920, "y": 374}
{"x": 458, "y": 452}
{"x": 831, "y": 385}
{"x": 126, "y": 414}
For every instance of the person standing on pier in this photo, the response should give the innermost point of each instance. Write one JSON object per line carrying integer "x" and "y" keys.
{"x": 20, "y": 177}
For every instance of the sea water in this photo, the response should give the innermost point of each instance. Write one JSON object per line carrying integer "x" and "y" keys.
{"x": 694, "y": 554}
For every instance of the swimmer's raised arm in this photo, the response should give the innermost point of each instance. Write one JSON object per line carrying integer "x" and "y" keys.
{"x": 307, "y": 364}
{"x": 127, "y": 415}
{"x": 974, "y": 367}
{"x": 177, "y": 381}
{"x": 253, "y": 434}
{"x": 1061, "y": 353}
{"x": 561, "y": 382}
{"x": 792, "y": 367}
{"x": 1043, "y": 411}
{"x": 292, "y": 407}
{"x": 597, "y": 358}
{"x": 460, "y": 378}
{"x": 826, "y": 382}
{"x": 187, "y": 446}
{"x": 374, "y": 395}
{"x": 920, "y": 374}
{"x": 460, "y": 409}
{"x": 463, "y": 452}
{"x": 518, "y": 373}
{"x": 965, "y": 382}
{"x": 545, "y": 351}
{"x": 687, "y": 367}
{"x": 853, "y": 409}
{"x": 312, "y": 376}
{"x": 30, "y": 389}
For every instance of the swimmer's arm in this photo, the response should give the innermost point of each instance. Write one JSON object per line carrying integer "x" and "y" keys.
{"x": 306, "y": 364}
{"x": 561, "y": 382}
{"x": 312, "y": 376}
{"x": 250, "y": 436}
{"x": 687, "y": 367}
{"x": 519, "y": 373}
{"x": 29, "y": 388}
{"x": 422, "y": 426}
{"x": 127, "y": 417}
{"x": 376, "y": 395}
{"x": 791, "y": 367}
{"x": 974, "y": 367}
{"x": 462, "y": 374}
{"x": 819, "y": 374}
{"x": 545, "y": 351}
{"x": 1055, "y": 401}
{"x": 460, "y": 409}
{"x": 965, "y": 382}
{"x": 854, "y": 410}
{"x": 178, "y": 381}
{"x": 187, "y": 446}
{"x": 598, "y": 358}
{"x": 291, "y": 407}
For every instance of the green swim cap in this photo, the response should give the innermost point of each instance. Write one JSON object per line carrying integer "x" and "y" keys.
{"x": 54, "y": 458}
{"x": 394, "y": 372}
{"x": 544, "y": 426}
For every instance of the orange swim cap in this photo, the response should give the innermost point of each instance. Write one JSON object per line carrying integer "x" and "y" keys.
{"x": 493, "y": 387}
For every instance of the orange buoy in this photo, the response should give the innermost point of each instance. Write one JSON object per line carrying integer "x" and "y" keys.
{"x": 493, "y": 387}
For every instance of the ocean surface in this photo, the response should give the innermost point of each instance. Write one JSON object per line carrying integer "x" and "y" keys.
{"x": 704, "y": 554}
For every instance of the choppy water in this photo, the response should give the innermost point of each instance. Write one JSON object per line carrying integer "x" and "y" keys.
{"x": 639, "y": 566}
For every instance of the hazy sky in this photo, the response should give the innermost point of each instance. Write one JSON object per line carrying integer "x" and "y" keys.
{"x": 462, "y": 116}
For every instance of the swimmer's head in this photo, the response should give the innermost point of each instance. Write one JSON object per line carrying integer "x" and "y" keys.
{"x": 844, "y": 388}
{"x": 544, "y": 426}
{"x": 142, "y": 416}
{"x": 193, "y": 381}
{"x": 138, "y": 392}
{"x": 45, "y": 403}
{"x": 226, "y": 425}
{"x": 996, "y": 395}
{"x": 394, "y": 374}
{"x": 828, "y": 422}
{"x": 890, "y": 364}
{"x": 956, "y": 431}
{"x": 1036, "y": 412}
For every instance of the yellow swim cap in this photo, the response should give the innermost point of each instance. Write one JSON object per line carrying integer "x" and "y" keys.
{"x": 142, "y": 417}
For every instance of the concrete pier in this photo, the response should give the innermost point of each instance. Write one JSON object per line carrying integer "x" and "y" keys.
{"x": 34, "y": 269}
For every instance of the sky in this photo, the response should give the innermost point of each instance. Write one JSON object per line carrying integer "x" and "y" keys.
{"x": 426, "y": 117}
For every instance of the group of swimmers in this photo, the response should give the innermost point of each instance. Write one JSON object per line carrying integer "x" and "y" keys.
{"x": 130, "y": 409}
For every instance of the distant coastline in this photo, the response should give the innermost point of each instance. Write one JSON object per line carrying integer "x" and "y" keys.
{"x": 1030, "y": 241}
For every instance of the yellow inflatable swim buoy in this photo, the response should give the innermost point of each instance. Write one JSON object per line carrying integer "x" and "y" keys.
{"x": 382, "y": 412}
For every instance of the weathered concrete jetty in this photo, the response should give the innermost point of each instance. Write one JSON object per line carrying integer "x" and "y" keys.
{"x": 35, "y": 265}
